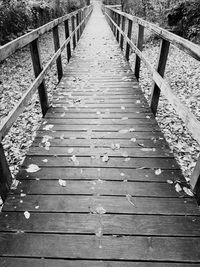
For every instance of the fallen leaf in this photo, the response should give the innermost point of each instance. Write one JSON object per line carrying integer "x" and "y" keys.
{"x": 14, "y": 184}
{"x": 124, "y": 118}
{"x": 123, "y": 131}
{"x": 131, "y": 130}
{"x": 170, "y": 182}
{"x": 74, "y": 159}
{"x": 124, "y": 154}
{"x": 100, "y": 210}
{"x": 105, "y": 158}
{"x": 130, "y": 199}
{"x": 99, "y": 232}
{"x": 70, "y": 150}
{"x": 27, "y": 215}
{"x": 62, "y": 182}
{"x": 127, "y": 159}
{"x": 178, "y": 187}
{"x": 45, "y": 160}
{"x": 188, "y": 191}
{"x": 133, "y": 139}
{"x": 32, "y": 168}
{"x": 48, "y": 127}
{"x": 158, "y": 171}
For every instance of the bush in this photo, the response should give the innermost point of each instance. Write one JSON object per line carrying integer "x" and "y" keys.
{"x": 18, "y": 16}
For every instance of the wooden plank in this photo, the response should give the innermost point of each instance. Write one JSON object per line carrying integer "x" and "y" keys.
{"x": 106, "y": 247}
{"x": 97, "y": 186}
{"x": 112, "y": 224}
{"x": 24, "y": 262}
{"x": 56, "y": 48}
{"x": 104, "y": 128}
{"x": 37, "y": 67}
{"x": 102, "y": 135}
{"x": 105, "y": 143}
{"x": 127, "y": 122}
{"x": 163, "y": 163}
{"x": 116, "y": 115}
{"x": 111, "y": 204}
{"x": 115, "y": 174}
{"x": 97, "y": 152}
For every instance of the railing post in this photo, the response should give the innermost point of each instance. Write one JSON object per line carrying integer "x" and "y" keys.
{"x": 195, "y": 181}
{"x": 118, "y": 24}
{"x": 56, "y": 47}
{"x": 73, "y": 28}
{"x": 130, "y": 25}
{"x": 5, "y": 175}
{"x": 139, "y": 46}
{"x": 115, "y": 20}
{"x": 123, "y": 29}
{"x": 77, "y": 24}
{"x": 37, "y": 67}
{"x": 66, "y": 36}
{"x": 155, "y": 94}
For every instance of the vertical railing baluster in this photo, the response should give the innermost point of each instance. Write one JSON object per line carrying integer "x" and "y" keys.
{"x": 195, "y": 181}
{"x": 77, "y": 24}
{"x": 140, "y": 38}
{"x": 118, "y": 24}
{"x": 67, "y": 34}
{"x": 5, "y": 175}
{"x": 73, "y": 28}
{"x": 123, "y": 29}
{"x": 56, "y": 47}
{"x": 130, "y": 25}
{"x": 155, "y": 94}
{"x": 37, "y": 68}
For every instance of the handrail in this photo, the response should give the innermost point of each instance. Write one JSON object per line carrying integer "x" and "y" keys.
{"x": 82, "y": 15}
{"x": 116, "y": 20}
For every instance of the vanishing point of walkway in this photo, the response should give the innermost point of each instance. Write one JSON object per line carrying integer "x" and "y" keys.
{"x": 103, "y": 195}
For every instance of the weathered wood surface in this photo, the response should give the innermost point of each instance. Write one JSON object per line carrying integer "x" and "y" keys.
{"x": 120, "y": 212}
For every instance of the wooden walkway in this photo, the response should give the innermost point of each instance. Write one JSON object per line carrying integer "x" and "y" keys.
{"x": 105, "y": 192}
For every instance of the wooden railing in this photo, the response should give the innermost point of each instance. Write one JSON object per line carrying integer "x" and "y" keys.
{"x": 76, "y": 21}
{"x": 117, "y": 21}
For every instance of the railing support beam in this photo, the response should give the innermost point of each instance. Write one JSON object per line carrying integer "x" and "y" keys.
{"x": 130, "y": 25}
{"x": 5, "y": 175}
{"x": 195, "y": 181}
{"x": 56, "y": 47}
{"x": 37, "y": 67}
{"x": 155, "y": 94}
{"x": 139, "y": 46}
{"x": 67, "y": 34}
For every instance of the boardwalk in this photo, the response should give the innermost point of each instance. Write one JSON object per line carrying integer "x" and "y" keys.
{"x": 101, "y": 196}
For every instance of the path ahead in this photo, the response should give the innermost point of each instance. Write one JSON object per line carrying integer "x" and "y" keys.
{"x": 112, "y": 205}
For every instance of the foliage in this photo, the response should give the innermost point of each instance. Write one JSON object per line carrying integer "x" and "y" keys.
{"x": 180, "y": 16}
{"x": 18, "y": 16}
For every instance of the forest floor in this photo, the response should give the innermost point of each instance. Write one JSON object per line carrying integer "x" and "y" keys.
{"x": 182, "y": 73}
